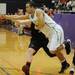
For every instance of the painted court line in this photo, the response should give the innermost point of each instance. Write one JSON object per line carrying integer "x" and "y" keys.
{"x": 13, "y": 67}
{"x": 6, "y": 72}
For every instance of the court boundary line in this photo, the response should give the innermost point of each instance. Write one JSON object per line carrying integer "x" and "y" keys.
{"x": 6, "y": 72}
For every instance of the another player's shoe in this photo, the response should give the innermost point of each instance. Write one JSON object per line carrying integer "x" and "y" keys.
{"x": 64, "y": 67}
{"x": 71, "y": 71}
{"x": 68, "y": 46}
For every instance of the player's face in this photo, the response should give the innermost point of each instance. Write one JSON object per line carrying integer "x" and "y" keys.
{"x": 28, "y": 8}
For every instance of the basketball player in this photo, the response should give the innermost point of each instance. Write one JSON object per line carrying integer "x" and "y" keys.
{"x": 39, "y": 21}
{"x": 46, "y": 33}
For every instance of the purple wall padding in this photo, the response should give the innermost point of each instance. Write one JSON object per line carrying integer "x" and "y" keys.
{"x": 67, "y": 21}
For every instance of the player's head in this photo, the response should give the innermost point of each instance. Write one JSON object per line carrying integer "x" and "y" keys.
{"x": 30, "y": 7}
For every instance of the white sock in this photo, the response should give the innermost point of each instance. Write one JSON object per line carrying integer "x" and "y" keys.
{"x": 72, "y": 69}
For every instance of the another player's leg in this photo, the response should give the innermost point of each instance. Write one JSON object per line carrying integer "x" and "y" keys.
{"x": 73, "y": 65}
{"x": 56, "y": 46}
{"x": 59, "y": 54}
{"x": 64, "y": 63}
{"x": 67, "y": 44}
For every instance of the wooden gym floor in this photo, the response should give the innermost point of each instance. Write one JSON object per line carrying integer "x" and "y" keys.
{"x": 12, "y": 56}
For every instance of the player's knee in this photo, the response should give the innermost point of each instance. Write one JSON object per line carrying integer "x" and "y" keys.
{"x": 56, "y": 51}
{"x": 31, "y": 51}
{"x": 60, "y": 47}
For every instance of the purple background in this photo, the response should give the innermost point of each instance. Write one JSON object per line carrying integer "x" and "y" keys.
{"x": 67, "y": 21}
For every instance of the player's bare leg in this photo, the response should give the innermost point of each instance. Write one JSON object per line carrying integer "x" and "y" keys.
{"x": 64, "y": 64}
{"x": 29, "y": 57}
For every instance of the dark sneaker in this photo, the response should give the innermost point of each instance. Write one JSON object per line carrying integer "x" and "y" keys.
{"x": 25, "y": 69}
{"x": 71, "y": 72}
{"x": 68, "y": 46}
{"x": 64, "y": 67}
